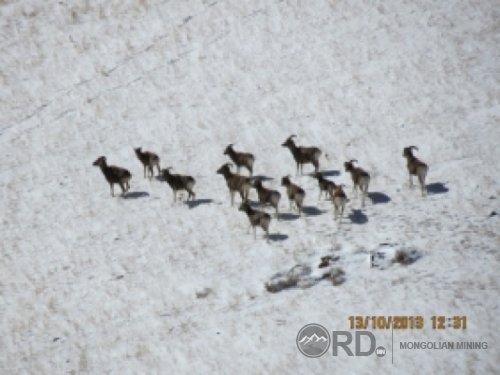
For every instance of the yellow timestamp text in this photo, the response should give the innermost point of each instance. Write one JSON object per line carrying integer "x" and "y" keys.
{"x": 438, "y": 322}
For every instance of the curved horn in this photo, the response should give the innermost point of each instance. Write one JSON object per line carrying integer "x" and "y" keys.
{"x": 353, "y": 161}
{"x": 292, "y": 136}
{"x": 415, "y": 147}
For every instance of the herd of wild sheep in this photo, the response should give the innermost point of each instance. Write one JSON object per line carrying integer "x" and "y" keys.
{"x": 238, "y": 183}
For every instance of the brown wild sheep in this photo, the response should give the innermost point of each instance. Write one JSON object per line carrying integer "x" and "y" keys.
{"x": 179, "y": 182}
{"x": 303, "y": 155}
{"x": 149, "y": 160}
{"x": 257, "y": 218}
{"x": 360, "y": 179}
{"x": 241, "y": 159}
{"x": 295, "y": 193}
{"x": 267, "y": 196}
{"x": 114, "y": 175}
{"x": 339, "y": 202}
{"x": 235, "y": 182}
{"x": 416, "y": 168}
{"x": 325, "y": 185}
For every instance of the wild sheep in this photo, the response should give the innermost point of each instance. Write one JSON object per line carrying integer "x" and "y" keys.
{"x": 416, "y": 168}
{"x": 241, "y": 159}
{"x": 339, "y": 202}
{"x": 267, "y": 196}
{"x": 295, "y": 193}
{"x": 303, "y": 155}
{"x": 114, "y": 175}
{"x": 235, "y": 182}
{"x": 179, "y": 182}
{"x": 325, "y": 185}
{"x": 360, "y": 179}
{"x": 149, "y": 160}
{"x": 257, "y": 218}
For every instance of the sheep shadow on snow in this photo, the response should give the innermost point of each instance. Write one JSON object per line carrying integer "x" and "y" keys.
{"x": 288, "y": 216}
{"x": 330, "y": 173}
{"x": 378, "y": 197}
{"x": 312, "y": 211}
{"x": 262, "y": 178}
{"x": 358, "y": 217}
{"x": 437, "y": 188}
{"x": 277, "y": 237}
{"x": 136, "y": 194}
{"x": 198, "y": 202}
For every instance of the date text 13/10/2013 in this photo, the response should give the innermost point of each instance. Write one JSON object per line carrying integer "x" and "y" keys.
{"x": 438, "y": 322}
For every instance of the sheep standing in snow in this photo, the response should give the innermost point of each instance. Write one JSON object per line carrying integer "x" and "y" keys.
{"x": 241, "y": 159}
{"x": 149, "y": 160}
{"x": 257, "y": 218}
{"x": 416, "y": 168}
{"x": 360, "y": 179}
{"x": 179, "y": 182}
{"x": 295, "y": 193}
{"x": 303, "y": 155}
{"x": 235, "y": 182}
{"x": 339, "y": 201}
{"x": 267, "y": 196}
{"x": 114, "y": 175}
{"x": 325, "y": 186}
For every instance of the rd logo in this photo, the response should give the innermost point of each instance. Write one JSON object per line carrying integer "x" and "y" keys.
{"x": 314, "y": 340}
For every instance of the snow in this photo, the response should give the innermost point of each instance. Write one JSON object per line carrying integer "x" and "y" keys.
{"x": 90, "y": 283}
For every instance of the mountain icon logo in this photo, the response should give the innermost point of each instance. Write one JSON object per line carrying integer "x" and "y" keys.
{"x": 313, "y": 340}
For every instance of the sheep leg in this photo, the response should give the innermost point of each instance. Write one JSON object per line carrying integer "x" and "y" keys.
{"x": 254, "y": 233}
{"x": 411, "y": 181}
{"x": 150, "y": 172}
{"x": 158, "y": 167}
{"x": 422, "y": 186}
{"x": 122, "y": 187}
{"x": 232, "y": 197}
{"x": 341, "y": 213}
{"x": 112, "y": 190}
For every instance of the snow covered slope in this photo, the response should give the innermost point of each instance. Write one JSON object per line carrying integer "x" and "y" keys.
{"x": 90, "y": 283}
